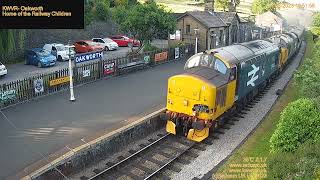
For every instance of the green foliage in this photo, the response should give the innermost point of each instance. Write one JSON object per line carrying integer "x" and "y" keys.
{"x": 307, "y": 77}
{"x": 121, "y": 2}
{"x": 315, "y": 28}
{"x": 261, "y": 6}
{"x": 148, "y": 47}
{"x": 12, "y": 42}
{"x": 302, "y": 164}
{"x": 221, "y": 4}
{"x": 144, "y": 21}
{"x": 299, "y": 122}
{"x": 98, "y": 10}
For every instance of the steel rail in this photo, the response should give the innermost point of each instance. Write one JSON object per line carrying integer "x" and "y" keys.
{"x": 129, "y": 157}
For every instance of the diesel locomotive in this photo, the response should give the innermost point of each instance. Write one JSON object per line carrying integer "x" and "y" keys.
{"x": 216, "y": 82}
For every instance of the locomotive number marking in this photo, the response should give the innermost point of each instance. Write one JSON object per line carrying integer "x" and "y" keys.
{"x": 253, "y": 75}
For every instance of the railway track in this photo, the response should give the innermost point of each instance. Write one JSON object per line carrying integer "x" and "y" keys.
{"x": 162, "y": 153}
{"x": 148, "y": 161}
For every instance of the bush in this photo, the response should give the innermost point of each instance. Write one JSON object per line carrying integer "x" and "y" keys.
{"x": 299, "y": 122}
{"x": 148, "y": 47}
{"x": 302, "y": 164}
{"x": 307, "y": 78}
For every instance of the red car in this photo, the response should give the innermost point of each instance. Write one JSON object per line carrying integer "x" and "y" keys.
{"x": 87, "y": 46}
{"x": 124, "y": 41}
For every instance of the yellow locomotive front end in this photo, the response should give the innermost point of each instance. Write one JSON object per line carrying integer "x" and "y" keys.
{"x": 190, "y": 105}
{"x": 193, "y": 104}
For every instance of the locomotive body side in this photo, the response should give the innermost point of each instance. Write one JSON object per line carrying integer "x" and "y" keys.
{"x": 216, "y": 81}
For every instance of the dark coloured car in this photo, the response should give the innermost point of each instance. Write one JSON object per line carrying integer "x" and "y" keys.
{"x": 40, "y": 57}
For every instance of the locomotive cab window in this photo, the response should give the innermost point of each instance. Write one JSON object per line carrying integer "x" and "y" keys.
{"x": 206, "y": 60}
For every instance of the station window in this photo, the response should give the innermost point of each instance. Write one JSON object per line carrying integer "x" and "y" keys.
{"x": 188, "y": 29}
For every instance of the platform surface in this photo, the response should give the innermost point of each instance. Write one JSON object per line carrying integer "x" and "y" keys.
{"x": 49, "y": 124}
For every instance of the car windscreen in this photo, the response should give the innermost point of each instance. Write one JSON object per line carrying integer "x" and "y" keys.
{"x": 206, "y": 60}
{"x": 43, "y": 53}
{"x": 91, "y": 43}
{"x": 107, "y": 40}
{"x": 60, "y": 48}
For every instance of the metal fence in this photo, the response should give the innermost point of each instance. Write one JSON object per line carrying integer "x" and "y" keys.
{"x": 35, "y": 86}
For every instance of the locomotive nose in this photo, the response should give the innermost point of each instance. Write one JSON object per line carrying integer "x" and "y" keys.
{"x": 190, "y": 103}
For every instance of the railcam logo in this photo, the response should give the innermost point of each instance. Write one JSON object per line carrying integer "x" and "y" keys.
{"x": 253, "y": 75}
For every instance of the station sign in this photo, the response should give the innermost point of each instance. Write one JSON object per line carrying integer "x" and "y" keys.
{"x": 59, "y": 81}
{"x": 79, "y": 58}
{"x": 109, "y": 68}
{"x": 161, "y": 56}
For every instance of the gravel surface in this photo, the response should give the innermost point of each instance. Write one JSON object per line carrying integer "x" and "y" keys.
{"x": 228, "y": 142}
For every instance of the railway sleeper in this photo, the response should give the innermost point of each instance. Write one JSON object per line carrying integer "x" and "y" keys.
{"x": 167, "y": 155}
{"x": 127, "y": 172}
{"x": 84, "y": 178}
{"x": 155, "y": 161}
{"x": 183, "y": 161}
{"x": 191, "y": 154}
{"x": 142, "y": 167}
{"x": 174, "y": 168}
{"x": 199, "y": 147}
{"x": 172, "y": 148}
{"x": 109, "y": 164}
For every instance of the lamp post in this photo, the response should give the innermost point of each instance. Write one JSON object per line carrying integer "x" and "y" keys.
{"x": 72, "y": 98}
{"x": 196, "y": 46}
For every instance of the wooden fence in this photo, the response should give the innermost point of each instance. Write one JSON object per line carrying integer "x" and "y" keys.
{"x": 31, "y": 87}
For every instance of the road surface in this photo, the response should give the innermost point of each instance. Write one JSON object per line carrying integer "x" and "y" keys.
{"x": 48, "y": 124}
{"x": 21, "y": 71}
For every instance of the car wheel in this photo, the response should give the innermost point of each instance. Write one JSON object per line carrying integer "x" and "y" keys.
{"x": 59, "y": 58}
{"x": 106, "y": 48}
{"x": 39, "y": 64}
{"x": 130, "y": 45}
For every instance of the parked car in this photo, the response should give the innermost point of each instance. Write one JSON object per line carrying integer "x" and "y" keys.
{"x": 58, "y": 50}
{"x": 125, "y": 41}
{"x": 3, "y": 70}
{"x": 71, "y": 50}
{"x": 108, "y": 43}
{"x": 40, "y": 57}
{"x": 87, "y": 46}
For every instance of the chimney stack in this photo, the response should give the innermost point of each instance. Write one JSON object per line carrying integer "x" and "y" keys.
{"x": 209, "y": 5}
{"x": 232, "y": 6}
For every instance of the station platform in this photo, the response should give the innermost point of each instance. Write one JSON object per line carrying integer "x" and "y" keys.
{"x": 50, "y": 126}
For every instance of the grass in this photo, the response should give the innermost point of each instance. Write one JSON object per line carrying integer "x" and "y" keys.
{"x": 179, "y": 6}
{"x": 258, "y": 145}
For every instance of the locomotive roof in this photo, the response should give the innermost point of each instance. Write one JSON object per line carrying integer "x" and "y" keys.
{"x": 286, "y": 39}
{"x": 242, "y": 52}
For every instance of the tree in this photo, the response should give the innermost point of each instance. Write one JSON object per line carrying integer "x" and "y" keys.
{"x": 98, "y": 10}
{"x": 221, "y": 4}
{"x": 144, "y": 21}
{"x": 315, "y": 28}
{"x": 261, "y": 6}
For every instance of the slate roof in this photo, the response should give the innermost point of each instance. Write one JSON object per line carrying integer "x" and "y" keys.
{"x": 227, "y": 17}
{"x": 177, "y": 15}
{"x": 210, "y": 20}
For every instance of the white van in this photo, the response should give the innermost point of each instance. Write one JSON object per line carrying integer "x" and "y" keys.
{"x": 58, "y": 50}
